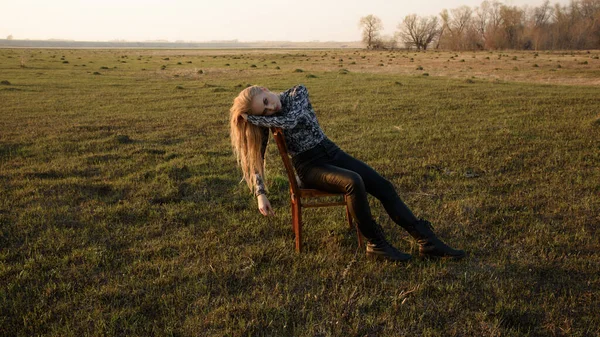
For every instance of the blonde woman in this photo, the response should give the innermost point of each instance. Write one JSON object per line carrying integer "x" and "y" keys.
{"x": 322, "y": 165}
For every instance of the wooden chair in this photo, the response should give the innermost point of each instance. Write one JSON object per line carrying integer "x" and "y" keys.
{"x": 297, "y": 194}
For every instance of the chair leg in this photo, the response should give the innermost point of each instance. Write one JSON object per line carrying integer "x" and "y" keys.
{"x": 297, "y": 222}
{"x": 293, "y": 216}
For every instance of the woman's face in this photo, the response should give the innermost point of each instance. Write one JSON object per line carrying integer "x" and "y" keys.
{"x": 265, "y": 103}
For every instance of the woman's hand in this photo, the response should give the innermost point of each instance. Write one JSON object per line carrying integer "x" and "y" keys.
{"x": 264, "y": 206}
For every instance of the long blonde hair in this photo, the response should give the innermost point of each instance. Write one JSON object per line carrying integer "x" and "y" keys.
{"x": 246, "y": 138}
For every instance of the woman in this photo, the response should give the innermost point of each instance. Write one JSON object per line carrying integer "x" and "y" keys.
{"x": 322, "y": 165}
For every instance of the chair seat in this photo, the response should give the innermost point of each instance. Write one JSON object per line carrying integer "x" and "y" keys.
{"x": 310, "y": 193}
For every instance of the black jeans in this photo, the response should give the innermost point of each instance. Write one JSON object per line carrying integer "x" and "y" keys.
{"x": 328, "y": 168}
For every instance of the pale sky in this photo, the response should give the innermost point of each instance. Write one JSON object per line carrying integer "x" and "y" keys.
{"x": 205, "y": 20}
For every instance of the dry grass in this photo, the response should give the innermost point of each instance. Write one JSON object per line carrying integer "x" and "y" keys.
{"x": 121, "y": 212}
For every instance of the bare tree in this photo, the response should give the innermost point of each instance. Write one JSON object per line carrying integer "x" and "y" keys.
{"x": 455, "y": 25}
{"x": 587, "y": 29}
{"x": 386, "y": 42}
{"x": 560, "y": 29}
{"x": 371, "y": 27}
{"x": 537, "y": 27}
{"x": 494, "y": 25}
{"x": 482, "y": 19}
{"x": 512, "y": 24}
{"x": 542, "y": 14}
{"x": 418, "y": 31}
{"x": 487, "y": 22}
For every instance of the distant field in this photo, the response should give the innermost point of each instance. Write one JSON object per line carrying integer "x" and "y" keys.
{"x": 121, "y": 211}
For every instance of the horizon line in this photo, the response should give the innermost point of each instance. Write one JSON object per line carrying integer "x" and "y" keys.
{"x": 178, "y": 41}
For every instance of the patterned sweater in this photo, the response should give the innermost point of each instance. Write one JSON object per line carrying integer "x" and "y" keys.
{"x": 297, "y": 118}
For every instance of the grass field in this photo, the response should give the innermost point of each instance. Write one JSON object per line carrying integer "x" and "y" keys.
{"x": 121, "y": 211}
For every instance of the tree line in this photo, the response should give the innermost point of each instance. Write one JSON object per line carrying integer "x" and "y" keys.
{"x": 493, "y": 25}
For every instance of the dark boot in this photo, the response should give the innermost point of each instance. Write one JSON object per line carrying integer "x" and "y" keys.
{"x": 378, "y": 248}
{"x": 429, "y": 244}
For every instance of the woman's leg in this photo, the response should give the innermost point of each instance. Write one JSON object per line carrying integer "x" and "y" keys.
{"x": 331, "y": 178}
{"x": 379, "y": 187}
{"x": 382, "y": 189}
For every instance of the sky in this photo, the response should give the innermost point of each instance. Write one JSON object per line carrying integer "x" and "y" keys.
{"x": 208, "y": 20}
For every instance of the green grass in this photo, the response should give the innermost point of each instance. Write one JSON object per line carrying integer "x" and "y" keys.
{"x": 121, "y": 211}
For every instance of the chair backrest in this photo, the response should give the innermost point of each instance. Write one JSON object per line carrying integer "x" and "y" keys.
{"x": 287, "y": 163}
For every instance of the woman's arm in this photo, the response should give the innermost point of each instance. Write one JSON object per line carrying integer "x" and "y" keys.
{"x": 264, "y": 206}
{"x": 288, "y": 120}
{"x": 260, "y": 184}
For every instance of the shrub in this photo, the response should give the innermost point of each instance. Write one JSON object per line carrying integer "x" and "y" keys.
{"x": 5, "y": 82}
{"x": 178, "y": 87}
{"x": 298, "y": 71}
{"x": 96, "y": 73}
{"x": 425, "y": 74}
{"x": 535, "y": 65}
{"x": 419, "y": 68}
{"x": 200, "y": 71}
{"x": 343, "y": 71}
{"x": 253, "y": 66}
{"x": 277, "y": 68}
{"x": 311, "y": 76}
{"x": 103, "y": 67}
{"x": 124, "y": 139}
